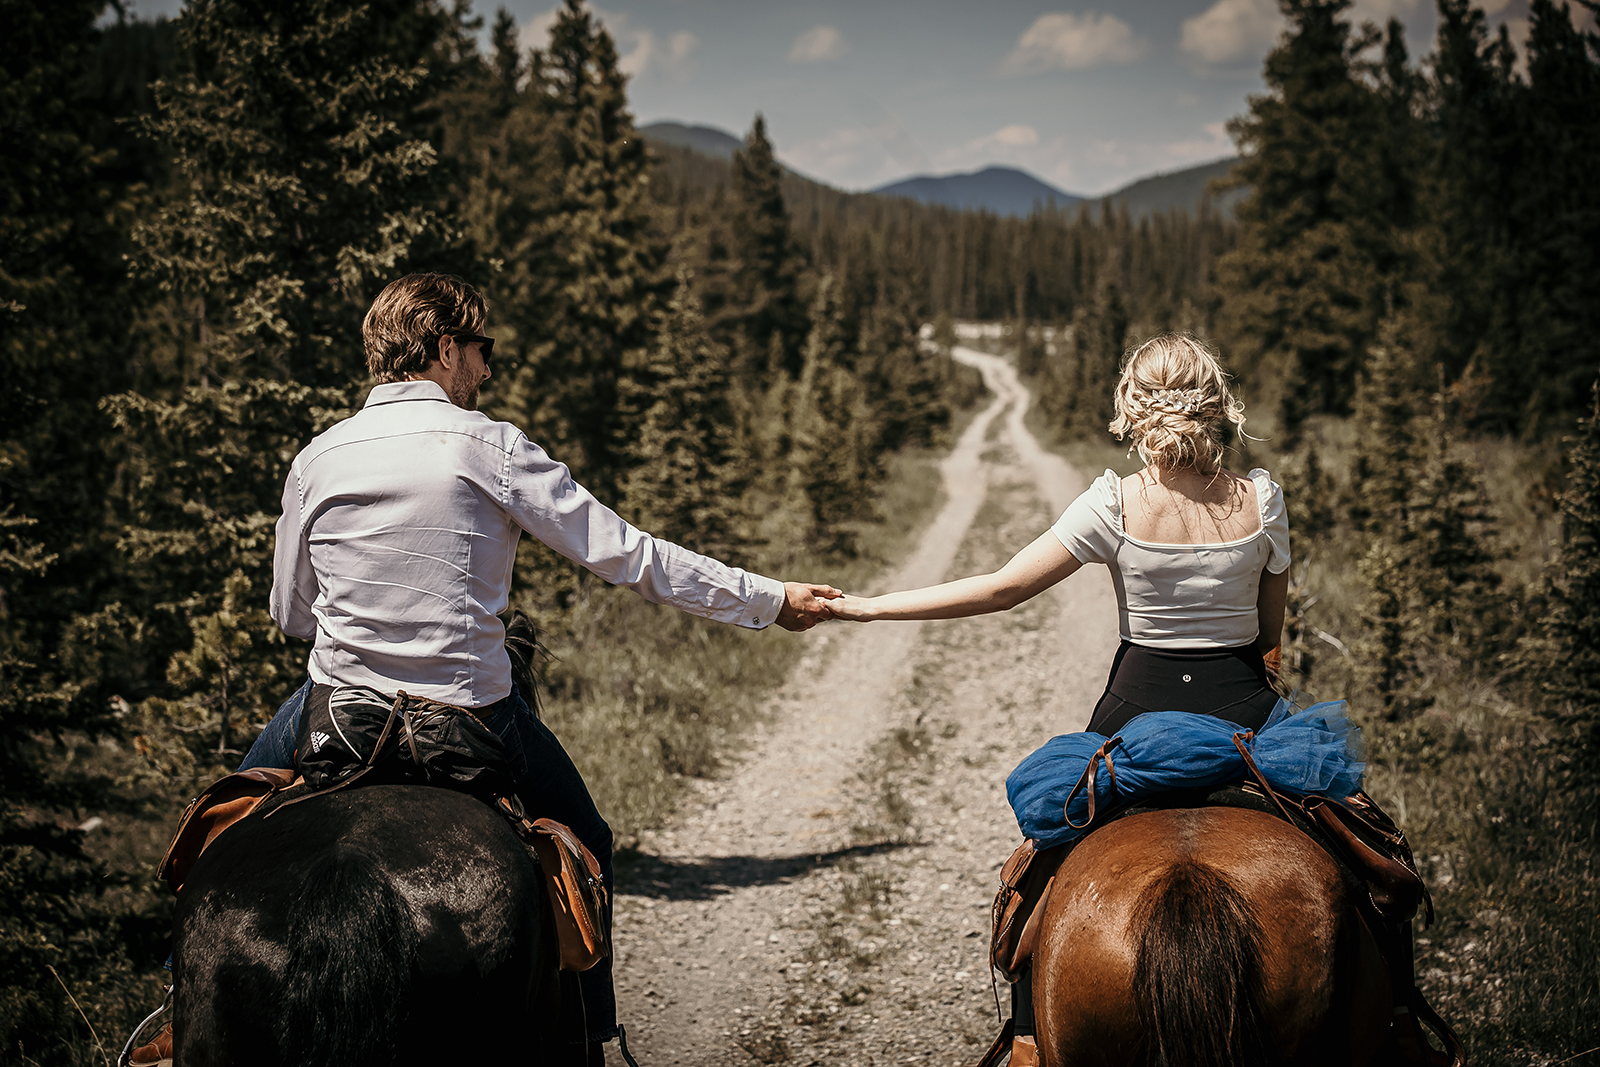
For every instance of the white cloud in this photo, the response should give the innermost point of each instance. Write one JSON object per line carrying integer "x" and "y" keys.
{"x": 1381, "y": 11}
{"x": 1064, "y": 41}
{"x": 1009, "y": 137}
{"x": 819, "y": 44}
{"x": 1232, "y": 32}
{"x": 1214, "y": 144}
{"x": 638, "y": 49}
{"x": 835, "y": 152}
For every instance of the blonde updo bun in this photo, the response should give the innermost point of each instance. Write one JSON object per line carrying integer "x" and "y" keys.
{"x": 1172, "y": 399}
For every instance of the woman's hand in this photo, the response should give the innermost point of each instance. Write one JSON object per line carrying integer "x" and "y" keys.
{"x": 851, "y": 608}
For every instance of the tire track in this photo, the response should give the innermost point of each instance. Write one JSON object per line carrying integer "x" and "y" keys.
{"x": 726, "y": 917}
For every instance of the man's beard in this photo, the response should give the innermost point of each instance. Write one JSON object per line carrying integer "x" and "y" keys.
{"x": 463, "y": 390}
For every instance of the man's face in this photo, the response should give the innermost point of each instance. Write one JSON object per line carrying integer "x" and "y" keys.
{"x": 470, "y": 370}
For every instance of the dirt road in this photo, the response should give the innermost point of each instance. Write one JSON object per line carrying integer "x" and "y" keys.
{"x": 827, "y": 902}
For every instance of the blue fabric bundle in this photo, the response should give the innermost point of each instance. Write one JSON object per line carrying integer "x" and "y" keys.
{"x": 1317, "y": 750}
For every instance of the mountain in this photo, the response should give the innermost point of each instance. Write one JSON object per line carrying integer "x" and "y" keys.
{"x": 707, "y": 140}
{"x": 1002, "y": 190}
{"x": 1177, "y": 190}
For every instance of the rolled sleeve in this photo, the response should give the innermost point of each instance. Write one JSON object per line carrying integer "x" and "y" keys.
{"x": 544, "y": 500}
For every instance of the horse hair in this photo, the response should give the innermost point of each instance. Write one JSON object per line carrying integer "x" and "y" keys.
{"x": 352, "y": 950}
{"x": 1197, "y": 978}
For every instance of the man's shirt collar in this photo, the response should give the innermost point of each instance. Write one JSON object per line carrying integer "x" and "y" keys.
{"x": 415, "y": 389}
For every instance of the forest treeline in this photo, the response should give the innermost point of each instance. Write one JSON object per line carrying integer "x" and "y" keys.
{"x": 195, "y": 214}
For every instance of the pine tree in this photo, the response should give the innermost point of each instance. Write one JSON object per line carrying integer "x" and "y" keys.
{"x": 1564, "y": 655}
{"x": 1385, "y": 409}
{"x": 67, "y": 337}
{"x": 306, "y": 180}
{"x": 1432, "y": 590}
{"x": 594, "y": 257}
{"x": 1080, "y": 380}
{"x": 306, "y": 173}
{"x": 756, "y": 282}
{"x": 1557, "y": 335}
{"x": 684, "y": 480}
{"x": 1307, "y": 283}
{"x": 1471, "y": 184}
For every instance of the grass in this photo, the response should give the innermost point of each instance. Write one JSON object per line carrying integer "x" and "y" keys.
{"x": 646, "y": 698}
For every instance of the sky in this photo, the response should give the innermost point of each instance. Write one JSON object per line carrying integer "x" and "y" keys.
{"x": 859, "y": 93}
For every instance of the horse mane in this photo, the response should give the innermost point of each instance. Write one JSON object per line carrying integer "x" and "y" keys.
{"x": 352, "y": 945}
{"x": 1197, "y": 976}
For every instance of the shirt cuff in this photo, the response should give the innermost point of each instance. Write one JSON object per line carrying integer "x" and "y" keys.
{"x": 765, "y": 603}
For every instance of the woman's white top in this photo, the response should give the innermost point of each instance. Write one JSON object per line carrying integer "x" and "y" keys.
{"x": 1179, "y": 596}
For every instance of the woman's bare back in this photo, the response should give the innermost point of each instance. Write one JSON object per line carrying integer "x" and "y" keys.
{"x": 1188, "y": 507}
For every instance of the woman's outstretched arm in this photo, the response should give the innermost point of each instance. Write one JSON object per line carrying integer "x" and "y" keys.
{"x": 1030, "y": 572}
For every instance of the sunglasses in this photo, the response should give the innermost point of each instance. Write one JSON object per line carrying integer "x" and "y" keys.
{"x": 472, "y": 338}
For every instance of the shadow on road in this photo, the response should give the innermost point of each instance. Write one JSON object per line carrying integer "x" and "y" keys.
{"x": 643, "y": 875}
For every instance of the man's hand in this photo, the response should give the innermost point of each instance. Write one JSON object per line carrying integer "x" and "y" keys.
{"x": 804, "y": 605}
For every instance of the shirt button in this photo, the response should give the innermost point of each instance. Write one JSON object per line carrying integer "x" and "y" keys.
{"x": 1186, "y": 678}
{"x": 755, "y": 622}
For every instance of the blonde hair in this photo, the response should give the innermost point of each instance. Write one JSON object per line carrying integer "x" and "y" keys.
{"x": 1171, "y": 399}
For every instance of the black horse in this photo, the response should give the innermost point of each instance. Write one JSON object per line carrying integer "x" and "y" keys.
{"x": 391, "y": 924}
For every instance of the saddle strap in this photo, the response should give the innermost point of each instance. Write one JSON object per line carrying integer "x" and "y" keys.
{"x": 1240, "y": 742}
{"x": 1103, "y": 753}
{"x": 1001, "y": 1047}
{"x": 1382, "y": 857}
{"x": 1428, "y": 1017}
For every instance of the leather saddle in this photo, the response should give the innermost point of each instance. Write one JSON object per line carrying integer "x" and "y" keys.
{"x": 1371, "y": 852}
{"x": 417, "y": 738}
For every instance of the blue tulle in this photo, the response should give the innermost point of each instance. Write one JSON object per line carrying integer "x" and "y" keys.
{"x": 1317, "y": 750}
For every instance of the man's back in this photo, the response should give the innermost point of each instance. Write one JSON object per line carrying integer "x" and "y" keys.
{"x": 403, "y": 509}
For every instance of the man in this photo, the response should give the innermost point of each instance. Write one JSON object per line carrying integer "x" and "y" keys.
{"x": 395, "y": 552}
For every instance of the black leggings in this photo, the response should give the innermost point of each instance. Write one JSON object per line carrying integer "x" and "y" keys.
{"x": 1230, "y": 683}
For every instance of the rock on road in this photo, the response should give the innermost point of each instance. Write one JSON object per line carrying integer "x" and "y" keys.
{"x": 827, "y": 901}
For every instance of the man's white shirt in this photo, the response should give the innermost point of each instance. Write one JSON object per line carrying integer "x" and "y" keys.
{"x": 398, "y": 536}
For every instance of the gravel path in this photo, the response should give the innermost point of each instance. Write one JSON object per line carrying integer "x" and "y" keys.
{"x": 827, "y": 902}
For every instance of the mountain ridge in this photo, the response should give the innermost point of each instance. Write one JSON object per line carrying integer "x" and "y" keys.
{"x": 999, "y": 189}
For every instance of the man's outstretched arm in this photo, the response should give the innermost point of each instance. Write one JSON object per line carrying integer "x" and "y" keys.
{"x": 547, "y": 503}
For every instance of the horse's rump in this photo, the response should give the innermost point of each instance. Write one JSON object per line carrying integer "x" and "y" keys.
{"x": 385, "y": 925}
{"x": 1204, "y": 936}
{"x": 1197, "y": 970}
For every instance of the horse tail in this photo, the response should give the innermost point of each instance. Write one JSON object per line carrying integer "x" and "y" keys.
{"x": 352, "y": 946}
{"x": 1197, "y": 976}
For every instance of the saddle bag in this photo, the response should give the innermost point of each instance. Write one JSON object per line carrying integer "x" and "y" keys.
{"x": 577, "y": 890}
{"x": 224, "y": 803}
{"x": 1376, "y": 850}
{"x": 577, "y": 895}
{"x": 1025, "y": 883}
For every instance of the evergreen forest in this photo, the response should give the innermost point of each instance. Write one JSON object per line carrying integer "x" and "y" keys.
{"x": 196, "y": 213}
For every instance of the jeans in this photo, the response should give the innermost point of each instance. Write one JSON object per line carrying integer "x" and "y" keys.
{"x": 549, "y": 786}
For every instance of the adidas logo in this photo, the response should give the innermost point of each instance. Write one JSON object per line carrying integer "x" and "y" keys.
{"x": 318, "y": 739}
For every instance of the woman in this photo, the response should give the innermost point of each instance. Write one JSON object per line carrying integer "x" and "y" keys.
{"x": 1199, "y": 556}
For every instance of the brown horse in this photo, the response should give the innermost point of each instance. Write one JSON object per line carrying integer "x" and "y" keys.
{"x": 1212, "y": 937}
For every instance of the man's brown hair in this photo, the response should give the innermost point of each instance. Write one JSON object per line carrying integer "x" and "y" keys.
{"x": 403, "y": 327}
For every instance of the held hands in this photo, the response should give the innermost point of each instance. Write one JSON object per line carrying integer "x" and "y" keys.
{"x": 805, "y": 605}
{"x": 849, "y": 608}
